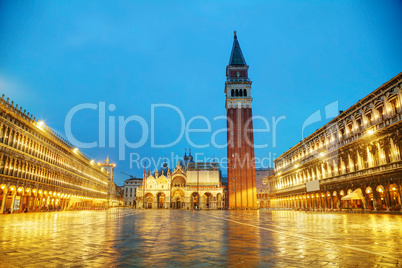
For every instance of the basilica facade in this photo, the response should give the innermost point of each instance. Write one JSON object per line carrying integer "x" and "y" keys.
{"x": 190, "y": 185}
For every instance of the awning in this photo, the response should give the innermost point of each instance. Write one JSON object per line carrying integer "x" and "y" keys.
{"x": 355, "y": 195}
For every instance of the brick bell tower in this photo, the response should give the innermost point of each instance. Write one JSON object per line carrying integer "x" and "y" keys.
{"x": 240, "y": 147}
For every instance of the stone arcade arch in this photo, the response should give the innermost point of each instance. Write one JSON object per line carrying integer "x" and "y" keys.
{"x": 148, "y": 200}
{"x": 208, "y": 201}
{"x": 394, "y": 197}
{"x": 178, "y": 199}
{"x": 161, "y": 200}
{"x": 195, "y": 200}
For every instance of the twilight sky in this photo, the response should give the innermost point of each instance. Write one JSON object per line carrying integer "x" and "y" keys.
{"x": 130, "y": 55}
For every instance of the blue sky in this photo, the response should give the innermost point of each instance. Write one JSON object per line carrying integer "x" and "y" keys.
{"x": 303, "y": 55}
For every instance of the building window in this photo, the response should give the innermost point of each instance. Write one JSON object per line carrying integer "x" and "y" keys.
{"x": 233, "y": 178}
{"x": 232, "y": 93}
{"x": 245, "y": 92}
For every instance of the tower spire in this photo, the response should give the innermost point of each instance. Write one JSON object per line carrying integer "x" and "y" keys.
{"x": 236, "y": 57}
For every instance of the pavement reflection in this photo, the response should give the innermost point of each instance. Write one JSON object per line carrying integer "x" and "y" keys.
{"x": 126, "y": 237}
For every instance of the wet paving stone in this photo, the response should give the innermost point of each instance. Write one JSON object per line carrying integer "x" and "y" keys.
{"x": 172, "y": 238}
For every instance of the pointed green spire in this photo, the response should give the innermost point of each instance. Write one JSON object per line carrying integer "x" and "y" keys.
{"x": 236, "y": 57}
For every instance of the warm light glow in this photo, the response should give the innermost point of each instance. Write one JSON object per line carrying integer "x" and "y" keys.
{"x": 75, "y": 150}
{"x": 322, "y": 154}
{"x": 19, "y": 190}
{"x": 40, "y": 124}
{"x": 370, "y": 132}
{"x": 2, "y": 187}
{"x": 393, "y": 189}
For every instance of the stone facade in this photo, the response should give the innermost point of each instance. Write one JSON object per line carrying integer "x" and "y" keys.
{"x": 263, "y": 190}
{"x": 40, "y": 171}
{"x": 358, "y": 150}
{"x": 189, "y": 186}
{"x": 130, "y": 189}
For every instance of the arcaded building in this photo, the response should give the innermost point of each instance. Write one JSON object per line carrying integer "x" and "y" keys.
{"x": 40, "y": 171}
{"x": 357, "y": 152}
{"x": 190, "y": 185}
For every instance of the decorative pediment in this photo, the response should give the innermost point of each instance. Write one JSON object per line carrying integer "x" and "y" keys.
{"x": 179, "y": 168}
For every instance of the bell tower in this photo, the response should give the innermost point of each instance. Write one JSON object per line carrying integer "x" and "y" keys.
{"x": 240, "y": 146}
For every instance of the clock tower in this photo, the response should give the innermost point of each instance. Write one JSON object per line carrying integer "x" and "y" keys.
{"x": 240, "y": 146}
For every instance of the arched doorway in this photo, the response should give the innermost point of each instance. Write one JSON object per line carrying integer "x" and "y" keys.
{"x": 149, "y": 198}
{"x": 382, "y": 205}
{"x": 262, "y": 204}
{"x": 394, "y": 198}
{"x": 178, "y": 204}
{"x": 161, "y": 200}
{"x": 178, "y": 199}
{"x": 207, "y": 200}
{"x": 369, "y": 198}
{"x": 195, "y": 201}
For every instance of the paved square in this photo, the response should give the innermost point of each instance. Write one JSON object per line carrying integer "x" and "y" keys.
{"x": 126, "y": 237}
